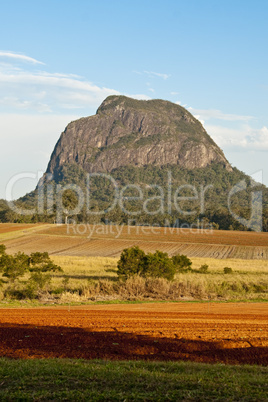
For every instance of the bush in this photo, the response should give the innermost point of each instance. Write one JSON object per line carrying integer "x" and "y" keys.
{"x": 17, "y": 265}
{"x": 227, "y": 270}
{"x": 203, "y": 269}
{"x": 14, "y": 266}
{"x": 40, "y": 279}
{"x": 29, "y": 291}
{"x": 2, "y": 249}
{"x": 41, "y": 262}
{"x": 182, "y": 263}
{"x": 159, "y": 265}
{"x": 134, "y": 261}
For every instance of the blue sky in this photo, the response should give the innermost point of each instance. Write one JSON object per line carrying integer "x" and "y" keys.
{"x": 60, "y": 59}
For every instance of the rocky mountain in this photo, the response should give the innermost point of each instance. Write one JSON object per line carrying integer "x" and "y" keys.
{"x": 129, "y": 132}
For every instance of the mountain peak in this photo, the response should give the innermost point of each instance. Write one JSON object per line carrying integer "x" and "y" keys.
{"x": 128, "y": 131}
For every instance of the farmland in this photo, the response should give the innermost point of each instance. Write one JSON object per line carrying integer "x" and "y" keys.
{"x": 109, "y": 241}
{"x": 9, "y": 227}
{"x": 230, "y": 333}
{"x": 175, "y": 341}
{"x": 89, "y": 261}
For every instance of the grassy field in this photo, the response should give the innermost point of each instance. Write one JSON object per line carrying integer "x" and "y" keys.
{"x": 95, "y": 278}
{"x": 98, "y": 380}
{"x": 103, "y": 266}
{"x": 87, "y": 279}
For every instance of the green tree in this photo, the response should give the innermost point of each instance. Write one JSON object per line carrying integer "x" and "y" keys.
{"x": 132, "y": 262}
{"x": 159, "y": 265}
{"x": 14, "y": 266}
{"x": 41, "y": 262}
{"x": 40, "y": 279}
{"x": 69, "y": 202}
{"x": 2, "y": 249}
{"x": 181, "y": 262}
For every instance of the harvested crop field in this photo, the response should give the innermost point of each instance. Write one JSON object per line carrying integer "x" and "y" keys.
{"x": 13, "y": 227}
{"x": 109, "y": 241}
{"x": 203, "y": 332}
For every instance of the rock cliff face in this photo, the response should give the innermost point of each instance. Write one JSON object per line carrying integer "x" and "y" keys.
{"x": 125, "y": 132}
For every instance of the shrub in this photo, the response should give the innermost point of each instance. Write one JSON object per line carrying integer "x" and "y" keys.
{"x": 14, "y": 266}
{"x": 39, "y": 258}
{"x": 40, "y": 279}
{"x": 182, "y": 263}
{"x": 203, "y": 269}
{"x": 29, "y": 291}
{"x": 159, "y": 265}
{"x": 132, "y": 262}
{"x": 17, "y": 265}
{"x": 2, "y": 249}
{"x": 227, "y": 270}
{"x": 41, "y": 262}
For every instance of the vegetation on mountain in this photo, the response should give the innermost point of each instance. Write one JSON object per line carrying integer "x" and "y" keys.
{"x": 214, "y": 212}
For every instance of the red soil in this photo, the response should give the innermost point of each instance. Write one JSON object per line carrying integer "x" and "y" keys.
{"x": 228, "y": 333}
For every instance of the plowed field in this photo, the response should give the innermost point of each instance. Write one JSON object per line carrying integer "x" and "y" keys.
{"x": 109, "y": 241}
{"x": 228, "y": 333}
{"x": 9, "y": 227}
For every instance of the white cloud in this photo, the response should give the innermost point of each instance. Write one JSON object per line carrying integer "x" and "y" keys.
{"x": 35, "y": 107}
{"x": 153, "y": 74}
{"x": 207, "y": 114}
{"x": 242, "y": 138}
{"x": 33, "y": 90}
{"x": 24, "y": 90}
{"x": 19, "y": 57}
{"x": 160, "y": 75}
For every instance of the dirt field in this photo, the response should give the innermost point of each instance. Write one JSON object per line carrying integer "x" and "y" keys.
{"x": 13, "y": 227}
{"x": 109, "y": 241}
{"x": 228, "y": 333}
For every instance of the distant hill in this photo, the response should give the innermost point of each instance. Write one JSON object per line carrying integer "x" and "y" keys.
{"x": 162, "y": 153}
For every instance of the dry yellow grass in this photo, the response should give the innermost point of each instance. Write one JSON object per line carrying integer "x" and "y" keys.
{"x": 101, "y": 266}
{"x": 217, "y": 265}
{"x": 94, "y": 277}
{"x": 89, "y": 266}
